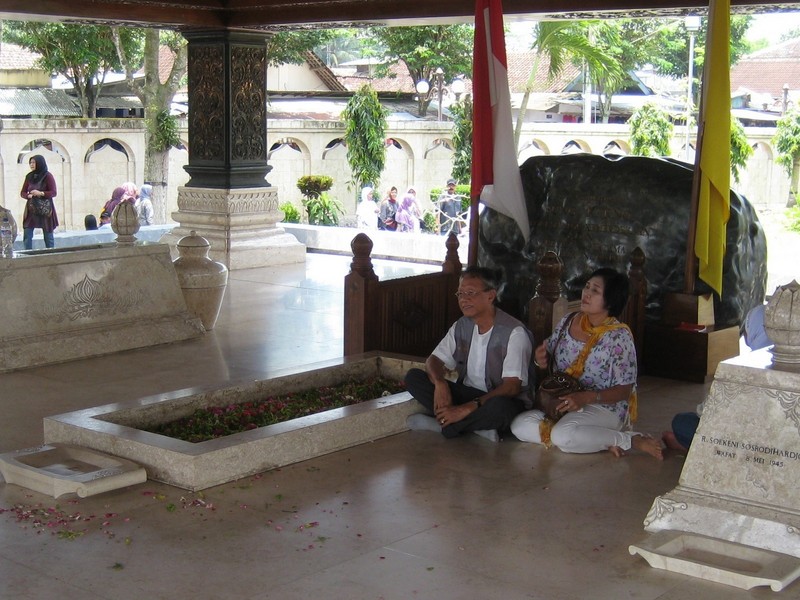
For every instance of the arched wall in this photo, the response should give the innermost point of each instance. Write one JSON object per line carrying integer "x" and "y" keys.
{"x": 86, "y": 183}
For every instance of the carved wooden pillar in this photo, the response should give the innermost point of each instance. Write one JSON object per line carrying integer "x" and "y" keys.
{"x": 228, "y": 200}
{"x": 634, "y": 311}
{"x": 227, "y": 109}
{"x": 359, "y": 316}
{"x": 547, "y": 304}
{"x": 452, "y": 263}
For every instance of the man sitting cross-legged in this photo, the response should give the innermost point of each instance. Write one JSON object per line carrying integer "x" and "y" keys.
{"x": 491, "y": 354}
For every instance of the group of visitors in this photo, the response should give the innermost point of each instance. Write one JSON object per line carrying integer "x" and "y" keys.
{"x": 140, "y": 198}
{"x": 481, "y": 377}
{"x": 391, "y": 215}
{"x": 38, "y": 190}
{"x": 405, "y": 214}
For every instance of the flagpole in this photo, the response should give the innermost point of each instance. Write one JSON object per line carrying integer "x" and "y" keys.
{"x": 474, "y": 231}
{"x": 711, "y": 173}
{"x": 495, "y": 176}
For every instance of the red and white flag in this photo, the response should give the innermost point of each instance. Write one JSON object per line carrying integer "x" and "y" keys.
{"x": 495, "y": 172}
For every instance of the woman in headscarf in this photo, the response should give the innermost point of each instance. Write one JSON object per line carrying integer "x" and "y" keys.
{"x": 367, "y": 211}
{"x": 129, "y": 192}
{"x": 145, "y": 205}
{"x": 116, "y": 198}
{"x": 38, "y": 190}
{"x": 408, "y": 213}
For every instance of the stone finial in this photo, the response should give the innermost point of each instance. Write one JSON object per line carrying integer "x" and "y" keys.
{"x": 782, "y": 323}
{"x": 125, "y": 223}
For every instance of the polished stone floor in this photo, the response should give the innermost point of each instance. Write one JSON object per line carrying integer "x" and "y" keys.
{"x": 413, "y": 516}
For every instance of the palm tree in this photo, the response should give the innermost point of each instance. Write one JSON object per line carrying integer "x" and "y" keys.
{"x": 561, "y": 41}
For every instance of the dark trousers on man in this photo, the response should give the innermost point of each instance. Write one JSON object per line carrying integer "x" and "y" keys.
{"x": 497, "y": 413}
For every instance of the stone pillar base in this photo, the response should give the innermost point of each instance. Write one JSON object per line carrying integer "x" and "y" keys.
{"x": 240, "y": 224}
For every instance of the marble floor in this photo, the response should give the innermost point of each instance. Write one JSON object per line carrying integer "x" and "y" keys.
{"x": 413, "y": 516}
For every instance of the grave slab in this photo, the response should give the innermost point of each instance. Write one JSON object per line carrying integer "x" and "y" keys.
{"x": 739, "y": 482}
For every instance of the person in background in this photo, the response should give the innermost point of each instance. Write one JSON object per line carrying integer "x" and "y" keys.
{"x": 5, "y": 213}
{"x": 388, "y": 210}
{"x": 105, "y": 219}
{"x": 408, "y": 213}
{"x": 449, "y": 205}
{"x": 90, "y": 222}
{"x": 490, "y": 351}
{"x": 130, "y": 193}
{"x": 598, "y": 350}
{"x": 144, "y": 207}
{"x": 39, "y": 189}
{"x": 367, "y": 211}
{"x": 116, "y": 198}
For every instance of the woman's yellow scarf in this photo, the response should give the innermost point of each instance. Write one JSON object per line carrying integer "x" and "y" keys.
{"x": 595, "y": 332}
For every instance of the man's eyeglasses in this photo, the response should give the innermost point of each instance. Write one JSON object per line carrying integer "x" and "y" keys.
{"x": 469, "y": 294}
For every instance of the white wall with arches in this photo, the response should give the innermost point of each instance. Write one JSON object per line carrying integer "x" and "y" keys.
{"x": 90, "y": 158}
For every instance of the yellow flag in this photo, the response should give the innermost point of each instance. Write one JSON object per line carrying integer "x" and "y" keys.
{"x": 713, "y": 207}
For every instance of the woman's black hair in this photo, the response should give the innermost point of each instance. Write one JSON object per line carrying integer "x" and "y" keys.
{"x": 615, "y": 289}
{"x": 90, "y": 222}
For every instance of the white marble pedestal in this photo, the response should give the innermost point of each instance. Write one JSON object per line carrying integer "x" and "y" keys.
{"x": 740, "y": 481}
{"x": 240, "y": 224}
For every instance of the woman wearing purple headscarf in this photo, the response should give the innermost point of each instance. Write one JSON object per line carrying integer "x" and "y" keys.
{"x": 116, "y": 197}
{"x": 408, "y": 213}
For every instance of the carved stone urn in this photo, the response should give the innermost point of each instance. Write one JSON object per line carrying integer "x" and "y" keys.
{"x": 782, "y": 322}
{"x": 125, "y": 223}
{"x": 202, "y": 280}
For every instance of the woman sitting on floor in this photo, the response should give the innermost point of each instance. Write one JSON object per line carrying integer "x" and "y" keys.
{"x": 598, "y": 350}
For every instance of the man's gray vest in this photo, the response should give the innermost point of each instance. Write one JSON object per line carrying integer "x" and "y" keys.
{"x": 496, "y": 351}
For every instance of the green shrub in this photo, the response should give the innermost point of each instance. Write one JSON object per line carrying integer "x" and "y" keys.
{"x": 429, "y": 219}
{"x": 323, "y": 210}
{"x": 290, "y": 213}
{"x": 311, "y": 186}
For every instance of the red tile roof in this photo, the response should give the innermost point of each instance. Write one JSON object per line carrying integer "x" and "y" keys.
{"x": 17, "y": 58}
{"x": 519, "y": 68}
{"x": 768, "y": 70}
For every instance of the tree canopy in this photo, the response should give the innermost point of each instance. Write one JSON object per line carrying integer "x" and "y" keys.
{"x": 424, "y": 49}
{"x": 83, "y": 54}
{"x": 289, "y": 47}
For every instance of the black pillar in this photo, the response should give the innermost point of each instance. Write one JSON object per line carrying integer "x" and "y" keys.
{"x": 227, "y": 109}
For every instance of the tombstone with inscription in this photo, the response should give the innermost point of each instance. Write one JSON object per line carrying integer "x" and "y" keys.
{"x": 593, "y": 211}
{"x": 735, "y": 516}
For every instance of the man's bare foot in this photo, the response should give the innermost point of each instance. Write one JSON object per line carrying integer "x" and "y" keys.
{"x": 671, "y": 442}
{"x": 647, "y": 444}
{"x": 641, "y": 442}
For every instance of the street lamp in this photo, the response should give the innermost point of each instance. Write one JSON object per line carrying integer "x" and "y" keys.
{"x": 457, "y": 87}
{"x": 424, "y": 88}
{"x": 692, "y": 24}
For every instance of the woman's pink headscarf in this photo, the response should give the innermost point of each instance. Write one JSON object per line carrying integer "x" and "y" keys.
{"x": 129, "y": 192}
